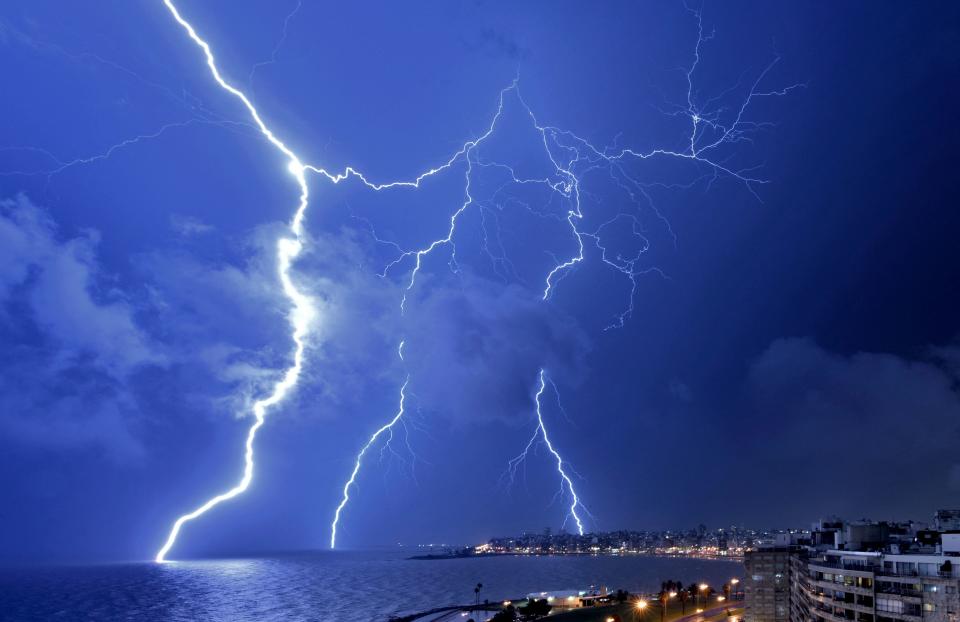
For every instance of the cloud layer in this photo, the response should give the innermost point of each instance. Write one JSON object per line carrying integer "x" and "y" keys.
{"x": 73, "y": 339}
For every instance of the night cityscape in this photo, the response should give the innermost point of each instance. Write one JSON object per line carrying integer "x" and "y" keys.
{"x": 479, "y": 311}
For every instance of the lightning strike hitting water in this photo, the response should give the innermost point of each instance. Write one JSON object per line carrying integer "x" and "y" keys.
{"x": 570, "y": 156}
{"x": 303, "y": 310}
{"x": 541, "y": 432}
{"x": 356, "y": 466}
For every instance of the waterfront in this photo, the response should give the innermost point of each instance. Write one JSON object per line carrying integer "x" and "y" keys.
{"x": 322, "y": 586}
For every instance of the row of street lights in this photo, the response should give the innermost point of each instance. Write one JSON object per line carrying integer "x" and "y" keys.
{"x": 642, "y": 604}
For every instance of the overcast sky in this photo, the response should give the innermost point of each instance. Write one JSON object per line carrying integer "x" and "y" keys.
{"x": 792, "y": 344}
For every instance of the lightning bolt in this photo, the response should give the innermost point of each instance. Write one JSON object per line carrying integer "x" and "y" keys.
{"x": 384, "y": 429}
{"x": 571, "y": 156}
{"x": 566, "y": 483}
{"x": 303, "y": 313}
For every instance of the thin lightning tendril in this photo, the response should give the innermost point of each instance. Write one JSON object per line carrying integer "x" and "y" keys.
{"x": 571, "y": 158}
{"x": 581, "y": 157}
{"x": 387, "y": 427}
{"x": 566, "y": 483}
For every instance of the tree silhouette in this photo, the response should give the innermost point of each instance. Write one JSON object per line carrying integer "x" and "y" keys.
{"x": 536, "y": 608}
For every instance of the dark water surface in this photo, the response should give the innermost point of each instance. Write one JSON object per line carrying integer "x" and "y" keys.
{"x": 336, "y": 587}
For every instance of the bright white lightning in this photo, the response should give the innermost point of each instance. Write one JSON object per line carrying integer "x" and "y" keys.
{"x": 581, "y": 156}
{"x": 303, "y": 310}
{"x": 541, "y": 431}
{"x": 356, "y": 466}
{"x": 571, "y": 156}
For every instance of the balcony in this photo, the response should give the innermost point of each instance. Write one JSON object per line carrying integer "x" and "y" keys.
{"x": 899, "y": 589}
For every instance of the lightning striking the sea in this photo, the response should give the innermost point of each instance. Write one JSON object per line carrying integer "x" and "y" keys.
{"x": 303, "y": 313}
{"x": 566, "y": 483}
{"x": 571, "y": 157}
{"x": 387, "y": 427}
{"x": 711, "y": 126}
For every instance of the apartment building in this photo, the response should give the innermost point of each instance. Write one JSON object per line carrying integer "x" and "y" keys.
{"x": 857, "y": 586}
{"x": 858, "y": 572}
{"x": 767, "y": 585}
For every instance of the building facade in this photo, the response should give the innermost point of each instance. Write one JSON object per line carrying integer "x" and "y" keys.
{"x": 767, "y": 584}
{"x": 858, "y": 572}
{"x": 854, "y": 586}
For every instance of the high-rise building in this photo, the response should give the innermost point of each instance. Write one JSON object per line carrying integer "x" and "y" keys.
{"x": 859, "y": 572}
{"x": 767, "y": 584}
{"x": 859, "y": 586}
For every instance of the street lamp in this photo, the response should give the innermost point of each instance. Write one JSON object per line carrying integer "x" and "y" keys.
{"x": 700, "y": 589}
{"x": 641, "y": 605}
{"x": 664, "y": 597}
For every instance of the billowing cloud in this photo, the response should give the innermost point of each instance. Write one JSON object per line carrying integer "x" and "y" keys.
{"x": 487, "y": 341}
{"x": 870, "y": 416}
{"x": 74, "y": 341}
{"x": 187, "y": 226}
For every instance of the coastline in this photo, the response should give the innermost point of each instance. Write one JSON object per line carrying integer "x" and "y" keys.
{"x": 471, "y": 555}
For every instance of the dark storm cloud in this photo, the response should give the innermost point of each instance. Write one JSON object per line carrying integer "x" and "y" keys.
{"x": 850, "y": 414}
{"x": 498, "y": 44}
{"x": 487, "y": 341}
{"x": 472, "y": 345}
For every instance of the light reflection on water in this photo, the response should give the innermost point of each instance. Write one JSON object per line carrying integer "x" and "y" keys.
{"x": 335, "y": 587}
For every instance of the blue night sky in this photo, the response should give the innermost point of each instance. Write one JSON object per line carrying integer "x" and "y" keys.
{"x": 782, "y": 333}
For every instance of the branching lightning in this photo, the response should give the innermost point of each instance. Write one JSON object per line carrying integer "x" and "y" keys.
{"x": 385, "y": 428}
{"x": 566, "y": 484}
{"x": 571, "y": 157}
